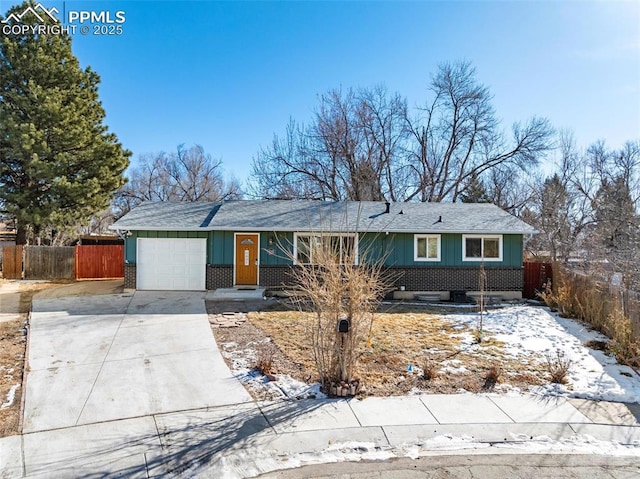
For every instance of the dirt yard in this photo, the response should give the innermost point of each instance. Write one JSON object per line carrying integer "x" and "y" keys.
{"x": 401, "y": 336}
{"x": 15, "y": 304}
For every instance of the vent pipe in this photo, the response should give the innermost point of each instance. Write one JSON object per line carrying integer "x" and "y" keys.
{"x": 388, "y": 205}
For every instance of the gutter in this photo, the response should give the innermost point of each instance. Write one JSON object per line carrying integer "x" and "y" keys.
{"x": 129, "y": 229}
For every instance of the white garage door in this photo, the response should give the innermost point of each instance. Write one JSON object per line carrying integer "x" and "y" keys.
{"x": 171, "y": 263}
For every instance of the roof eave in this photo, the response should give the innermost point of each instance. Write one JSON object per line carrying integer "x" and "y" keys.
{"x": 318, "y": 230}
{"x": 153, "y": 228}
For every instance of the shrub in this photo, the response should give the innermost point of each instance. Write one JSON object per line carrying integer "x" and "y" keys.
{"x": 264, "y": 363}
{"x": 558, "y": 367}
{"x": 624, "y": 345}
{"x": 491, "y": 377}
{"x": 429, "y": 369}
{"x": 336, "y": 289}
{"x": 493, "y": 374}
{"x": 606, "y": 308}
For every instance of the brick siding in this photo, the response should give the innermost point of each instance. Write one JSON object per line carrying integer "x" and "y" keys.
{"x": 418, "y": 278}
{"x": 219, "y": 277}
{"x": 275, "y": 276}
{"x": 447, "y": 279}
{"x": 130, "y": 276}
{"x": 413, "y": 278}
{"x": 270, "y": 276}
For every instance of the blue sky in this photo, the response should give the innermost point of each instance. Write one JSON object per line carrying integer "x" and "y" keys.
{"x": 228, "y": 75}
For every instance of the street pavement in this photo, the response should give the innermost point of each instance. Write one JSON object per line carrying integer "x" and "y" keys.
{"x": 134, "y": 386}
{"x": 471, "y": 466}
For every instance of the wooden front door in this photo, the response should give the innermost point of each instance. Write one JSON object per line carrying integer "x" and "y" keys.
{"x": 247, "y": 259}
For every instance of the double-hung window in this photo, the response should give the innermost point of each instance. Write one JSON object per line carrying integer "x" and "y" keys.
{"x": 426, "y": 247}
{"x": 482, "y": 247}
{"x": 309, "y": 246}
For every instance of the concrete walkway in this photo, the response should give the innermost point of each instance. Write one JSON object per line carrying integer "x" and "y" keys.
{"x": 102, "y": 358}
{"x": 238, "y": 293}
{"x": 245, "y": 440}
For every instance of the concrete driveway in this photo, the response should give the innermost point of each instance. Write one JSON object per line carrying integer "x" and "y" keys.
{"x": 101, "y": 358}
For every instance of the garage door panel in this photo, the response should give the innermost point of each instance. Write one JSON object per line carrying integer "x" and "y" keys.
{"x": 171, "y": 263}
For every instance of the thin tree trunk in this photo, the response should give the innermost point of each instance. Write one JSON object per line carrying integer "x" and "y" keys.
{"x": 21, "y": 235}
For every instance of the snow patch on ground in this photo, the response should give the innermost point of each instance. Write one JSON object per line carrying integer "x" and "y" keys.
{"x": 284, "y": 387}
{"x": 251, "y": 463}
{"x": 528, "y": 333}
{"x": 11, "y": 395}
{"x": 535, "y": 333}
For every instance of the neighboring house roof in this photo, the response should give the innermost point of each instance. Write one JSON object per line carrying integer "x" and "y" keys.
{"x": 6, "y": 227}
{"x": 310, "y": 215}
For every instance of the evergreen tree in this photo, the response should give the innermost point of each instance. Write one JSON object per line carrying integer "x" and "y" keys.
{"x": 553, "y": 221}
{"x": 59, "y": 164}
{"x": 614, "y": 214}
{"x": 617, "y": 230}
{"x": 474, "y": 191}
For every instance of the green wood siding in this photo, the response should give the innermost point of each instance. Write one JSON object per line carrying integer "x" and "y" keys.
{"x": 397, "y": 248}
{"x": 220, "y": 247}
{"x": 279, "y": 251}
{"x": 222, "y": 244}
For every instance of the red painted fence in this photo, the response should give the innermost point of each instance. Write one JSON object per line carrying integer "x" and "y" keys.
{"x": 93, "y": 262}
{"x": 535, "y": 276}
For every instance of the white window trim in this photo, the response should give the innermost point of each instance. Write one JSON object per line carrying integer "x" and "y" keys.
{"x": 477, "y": 260}
{"x": 295, "y": 243}
{"x": 426, "y": 236}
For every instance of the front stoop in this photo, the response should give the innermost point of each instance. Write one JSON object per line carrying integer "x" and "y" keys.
{"x": 239, "y": 293}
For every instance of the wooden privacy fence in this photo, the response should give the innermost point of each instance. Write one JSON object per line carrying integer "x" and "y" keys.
{"x": 49, "y": 262}
{"x": 610, "y": 309}
{"x": 535, "y": 277}
{"x": 93, "y": 262}
{"x": 63, "y": 262}
{"x": 12, "y": 262}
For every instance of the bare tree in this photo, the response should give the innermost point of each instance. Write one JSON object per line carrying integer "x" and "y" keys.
{"x": 339, "y": 291}
{"x": 510, "y": 188}
{"x": 189, "y": 174}
{"x": 457, "y": 136}
{"x": 365, "y": 145}
{"x": 590, "y": 205}
{"x": 351, "y": 150}
{"x": 558, "y": 206}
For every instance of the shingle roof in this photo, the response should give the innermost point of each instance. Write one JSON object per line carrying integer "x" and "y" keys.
{"x": 300, "y": 215}
{"x": 160, "y": 215}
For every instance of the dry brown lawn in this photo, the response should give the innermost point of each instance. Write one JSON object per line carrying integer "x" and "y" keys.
{"x": 12, "y": 347}
{"x": 398, "y": 338}
{"x": 12, "y": 358}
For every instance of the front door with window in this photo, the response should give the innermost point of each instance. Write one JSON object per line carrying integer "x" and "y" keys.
{"x": 247, "y": 259}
